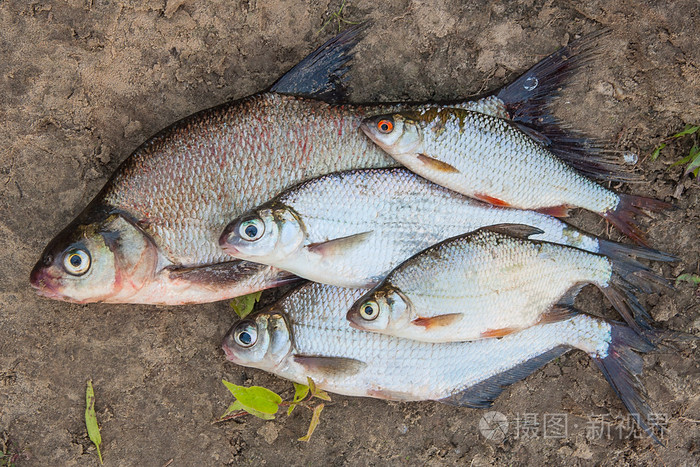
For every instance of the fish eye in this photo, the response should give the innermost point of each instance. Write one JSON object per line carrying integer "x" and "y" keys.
{"x": 251, "y": 229}
{"x": 246, "y": 334}
{"x": 385, "y": 126}
{"x": 76, "y": 261}
{"x": 369, "y": 310}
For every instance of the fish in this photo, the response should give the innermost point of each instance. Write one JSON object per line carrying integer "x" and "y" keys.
{"x": 150, "y": 236}
{"x": 350, "y": 229}
{"x": 494, "y": 282}
{"x": 491, "y": 159}
{"x": 305, "y": 334}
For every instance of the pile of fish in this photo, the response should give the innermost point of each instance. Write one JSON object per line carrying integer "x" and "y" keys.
{"x": 446, "y": 279}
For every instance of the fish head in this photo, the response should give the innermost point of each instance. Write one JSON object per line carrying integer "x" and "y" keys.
{"x": 267, "y": 235}
{"x": 397, "y": 134}
{"x": 261, "y": 341}
{"x": 383, "y": 310}
{"x": 99, "y": 257}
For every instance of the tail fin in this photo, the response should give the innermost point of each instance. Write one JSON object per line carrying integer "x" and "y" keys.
{"x": 621, "y": 366}
{"x": 616, "y": 251}
{"x": 527, "y": 101}
{"x": 629, "y": 206}
{"x": 630, "y": 276}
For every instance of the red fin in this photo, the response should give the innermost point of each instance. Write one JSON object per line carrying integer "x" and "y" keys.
{"x": 436, "y": 164}
{"x": 498, "y": 332}
{"x": 491, "y": 200}
{"x": 387, "y": 394}
{"x": 627, "y": 208}
{"x": 437, "y": 321}
{"x": 556, "y": 211}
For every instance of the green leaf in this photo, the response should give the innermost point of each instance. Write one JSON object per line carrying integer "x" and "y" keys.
{"x": 256, "y": 398}
{"x": 694, "y": 161}
{"x": 245, "y": 304}
{"x": 690, "y": 278}
{"x": 315, "y": 418}
{"x": 300, "y": 392}
{"x": 689, "y": 130}
{"x": 91, "y": 419}
{"x": 238, "y": 407}
{"x": 657, "y": 151}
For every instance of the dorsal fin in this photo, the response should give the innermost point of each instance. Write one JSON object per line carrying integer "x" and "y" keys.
{"x": 321, "y": 74}
{"x": 514, "y": 230}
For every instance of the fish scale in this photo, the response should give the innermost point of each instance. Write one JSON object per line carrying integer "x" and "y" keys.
{"x": 399, "y": 213}
{"x": 404, "y": 369}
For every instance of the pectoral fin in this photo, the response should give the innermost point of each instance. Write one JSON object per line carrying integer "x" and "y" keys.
{"x": 329, "y": 366}
{"x": 437, "y": 165}
{"x": 338, "y": 245}
{"x": 437, "y": 321}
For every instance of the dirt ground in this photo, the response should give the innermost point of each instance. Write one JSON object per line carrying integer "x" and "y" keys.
{"x": 82, "y": 83}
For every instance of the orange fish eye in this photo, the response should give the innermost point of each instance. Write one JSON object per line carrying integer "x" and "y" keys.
{"x": 385, "y": 126}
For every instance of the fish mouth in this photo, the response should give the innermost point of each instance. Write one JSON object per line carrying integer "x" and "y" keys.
{"x": 226, "y": 346}
{"x": 225, "y": 240}
{"x": 43, "y": 283}
{"x": 351, "y": 316}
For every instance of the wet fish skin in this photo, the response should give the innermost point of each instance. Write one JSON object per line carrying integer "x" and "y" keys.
{"x": 491, "y": 159}
{"x": 181, "y": 187}
{"x": 490, "y": 283}
{"x": 351, "y": 228}
{"x": 305, "y": 335}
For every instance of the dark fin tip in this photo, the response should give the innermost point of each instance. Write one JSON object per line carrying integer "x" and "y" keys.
{"x": 322, "y": 74}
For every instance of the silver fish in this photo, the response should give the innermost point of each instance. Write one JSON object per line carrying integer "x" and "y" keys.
{"x": 305, "y": 334}
{"x": 489, "y": 158}
{"x": 494, "y": 282}
{"x": 351, "y": 228}
{"x": 150, "y": 236}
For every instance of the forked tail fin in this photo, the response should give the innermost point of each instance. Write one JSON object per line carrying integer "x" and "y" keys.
{"x": 622, "y": 365}
{"x": 630, "y": 276}
{"x": 528, "y": 98}
{"x": 624, "y": 215}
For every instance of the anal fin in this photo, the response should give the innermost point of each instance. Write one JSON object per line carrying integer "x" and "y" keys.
{"x": 482, "y": 395}
{"x": 490, "y": 333}
{"x": 555, "y": 211}
{"x": 491, "y": 200}
{"x": 437, "y": 321}
{"x": 557, "y": 313}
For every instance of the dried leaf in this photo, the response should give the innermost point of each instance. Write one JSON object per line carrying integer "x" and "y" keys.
{"x": 315, "y": 418}
{"x": 245, "y": 304}
{"x": 256, "y": 398}
{"x": 315, "y": 392}
{"x": 300, "y": 392}
{"x": 91, "y": 419}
